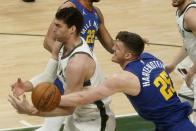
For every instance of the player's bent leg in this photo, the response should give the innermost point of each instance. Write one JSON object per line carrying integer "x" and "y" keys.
{"x": 194, "y": 105}
{"x": 52, "y": 124}
{"x": 184, "y": 125}
{"x": 91, "y": 120}
{"x": 185, "y": 94}
{"x": 90, "y": 125}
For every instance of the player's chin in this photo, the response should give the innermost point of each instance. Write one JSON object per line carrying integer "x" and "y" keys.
{"x": 59, "y": 39}
{"x": 114, "y": 59}
{"x": 174, "y": 4}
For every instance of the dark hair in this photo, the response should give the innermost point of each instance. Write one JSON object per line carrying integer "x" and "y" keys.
{"x": 71, "y": 16}
{"x": 132, "y": 41}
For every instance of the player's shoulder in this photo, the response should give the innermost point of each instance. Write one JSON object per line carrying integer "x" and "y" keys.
{"x": 99, "y": 13}
{"x": 189, "y": 16}
{"x": 191, "y": 11}
{"x": 98, "y": 10}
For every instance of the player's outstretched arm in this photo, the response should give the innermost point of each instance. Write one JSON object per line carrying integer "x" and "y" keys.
{"x": 182, "y": 54}
{"x": 22, "y": 106}
{"x": 120, "y": 82}
{"x": 48, "y": 75}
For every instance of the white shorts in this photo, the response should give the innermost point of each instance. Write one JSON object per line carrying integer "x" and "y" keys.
{"x": 81, "y": 121}
{"x": 184, "y": 90}
{"x": 91, "y": 125}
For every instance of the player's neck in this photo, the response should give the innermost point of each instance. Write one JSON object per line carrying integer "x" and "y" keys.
{"x": 87, "y": 4}
{"x": 183, "y": 6}
{"x": 123, "y": 65}
{"x": 70, "y": 44}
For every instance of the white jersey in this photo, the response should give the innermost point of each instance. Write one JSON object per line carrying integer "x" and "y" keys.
{"x": 90, "y": 109}
{"x": 189, "y": 40}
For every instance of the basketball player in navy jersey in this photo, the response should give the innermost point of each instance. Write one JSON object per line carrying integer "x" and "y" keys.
{"x": 93, "y": 25}
{"x": 146, "y": 84}
{"x": 186, "y": 21}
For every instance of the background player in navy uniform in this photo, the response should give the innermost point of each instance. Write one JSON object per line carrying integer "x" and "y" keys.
{"x": 93, "y": 25}
{"x": 145, "y": 83}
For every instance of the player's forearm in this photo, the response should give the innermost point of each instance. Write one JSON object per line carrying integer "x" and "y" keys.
{"x": 109, "y": 44}
{"x": 57, "y": 112}
{"x": 49, "y": 38}
{"x": 74, "y": 99}
{"x": 84, "y": 97}
{"x": 105, "y": 38}
{"x": 180, "y": 56}
{"x": 48, "y": 75}
{"x": 46, "y": 44}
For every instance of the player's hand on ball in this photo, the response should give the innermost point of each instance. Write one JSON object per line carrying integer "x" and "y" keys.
{"x": 22, "y": 105}
{"x": 18, "y": 87}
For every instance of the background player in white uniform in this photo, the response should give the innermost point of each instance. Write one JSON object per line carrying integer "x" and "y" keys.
{"x": 78, "y": 69}
{"x": 186, "y": 20}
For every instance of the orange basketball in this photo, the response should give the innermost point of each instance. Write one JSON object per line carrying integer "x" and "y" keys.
{"x": 45, "y": 96}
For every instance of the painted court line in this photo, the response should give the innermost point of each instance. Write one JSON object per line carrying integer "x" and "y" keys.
{"x": 25, "y": 123}
{"x": 29, "y": 125}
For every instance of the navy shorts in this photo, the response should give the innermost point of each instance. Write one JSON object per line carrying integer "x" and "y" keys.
{"x": 184, "y": 125}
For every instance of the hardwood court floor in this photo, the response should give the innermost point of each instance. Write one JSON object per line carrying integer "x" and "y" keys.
{"x": 23, "y": 56}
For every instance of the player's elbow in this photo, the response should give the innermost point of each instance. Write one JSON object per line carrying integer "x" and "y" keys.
{"x": 45, "y": 44}
{"x": 48, "y": 43}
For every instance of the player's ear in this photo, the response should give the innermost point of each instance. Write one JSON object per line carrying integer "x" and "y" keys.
{"x": 128, "y": 55}
{"x": 73, "y": 29}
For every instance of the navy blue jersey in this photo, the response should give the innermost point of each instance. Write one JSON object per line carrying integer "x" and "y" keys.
{"x": 89, "y": 30}
{"x": 91, "y": 23}
{"x": 157, "y": 100}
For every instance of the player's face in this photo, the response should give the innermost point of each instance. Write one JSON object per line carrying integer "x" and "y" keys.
{"x": 119, "y": 52}
{"x": 61, "y": 31}
{"x": 177, "y": 3}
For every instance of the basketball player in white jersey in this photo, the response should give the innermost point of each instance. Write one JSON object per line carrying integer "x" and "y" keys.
{"x": 77, "y": 67}
{"x": 90, "y": 13}
{"x": 186, "y": 20}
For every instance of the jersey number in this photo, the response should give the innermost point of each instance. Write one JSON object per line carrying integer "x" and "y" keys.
{"x": 166, "y": 87}
{"x": 90, "y": 36}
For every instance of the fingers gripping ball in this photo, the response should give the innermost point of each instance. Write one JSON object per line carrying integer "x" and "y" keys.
{"x": 45, "y": 96}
